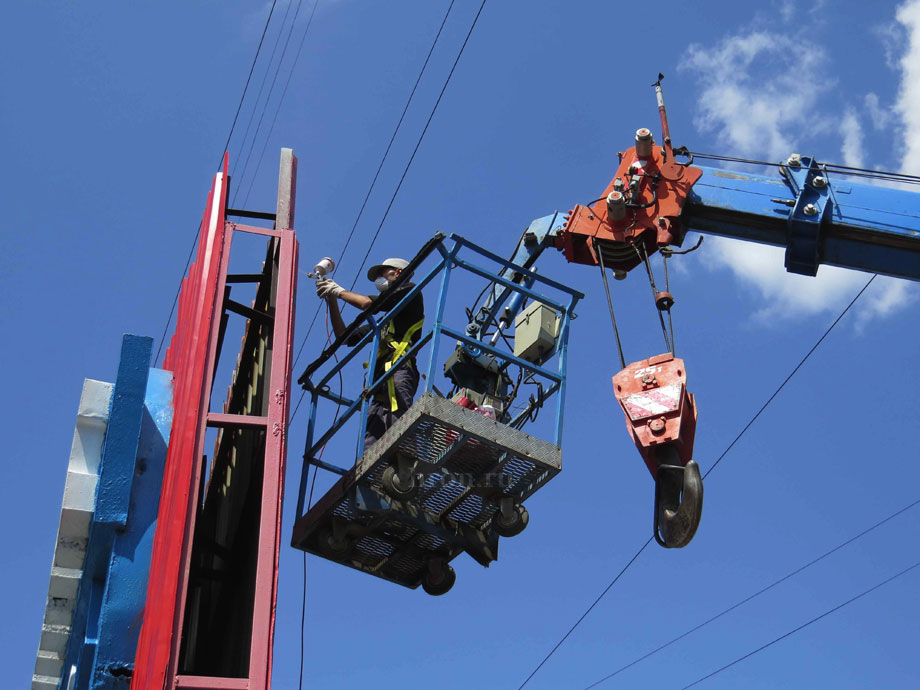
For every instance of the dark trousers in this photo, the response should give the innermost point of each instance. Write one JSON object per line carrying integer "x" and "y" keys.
{"x": 379, "y": 415}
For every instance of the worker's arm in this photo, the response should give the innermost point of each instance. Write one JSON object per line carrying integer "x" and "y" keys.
{"x": 338, "y": 325}
{"x": 362, "y": 302}
{"x": 332, "y": 292}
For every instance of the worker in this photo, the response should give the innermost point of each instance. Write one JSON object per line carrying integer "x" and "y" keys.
{"x": 392, "y": 399}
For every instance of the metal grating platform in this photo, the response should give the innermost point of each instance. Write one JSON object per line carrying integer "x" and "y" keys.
{"x": 469, "y": 463}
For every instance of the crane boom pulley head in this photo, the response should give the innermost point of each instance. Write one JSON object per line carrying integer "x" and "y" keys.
{"x": 642, "y": 204}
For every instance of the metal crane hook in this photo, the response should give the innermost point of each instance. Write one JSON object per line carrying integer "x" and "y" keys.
{"x": 678, "y": 502}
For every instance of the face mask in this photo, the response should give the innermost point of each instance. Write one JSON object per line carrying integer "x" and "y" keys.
{"x": 382, "y": 283}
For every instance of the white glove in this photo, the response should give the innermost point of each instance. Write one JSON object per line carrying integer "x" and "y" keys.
{"x": 328, "y": 288}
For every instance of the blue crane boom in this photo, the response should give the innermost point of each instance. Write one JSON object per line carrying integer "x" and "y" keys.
{"x": 835, "y": 222}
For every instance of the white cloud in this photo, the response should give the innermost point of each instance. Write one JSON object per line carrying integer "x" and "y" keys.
{"x": 881, "y": 117}
{"x": 908, "y": 101}
{"x": 891, "y": 36}
{"x": 852, "y": 147}
{"x": 790, "y": 296}
{"x": 759, "y": 92}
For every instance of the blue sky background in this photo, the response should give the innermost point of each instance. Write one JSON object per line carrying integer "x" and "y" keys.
{"x": 114, "y": 117}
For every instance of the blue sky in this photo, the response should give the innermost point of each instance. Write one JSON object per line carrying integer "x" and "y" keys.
{"x": 114, "y": 118}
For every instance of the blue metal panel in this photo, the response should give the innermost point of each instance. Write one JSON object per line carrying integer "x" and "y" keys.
{"x": 110, "y": 601}
{"x": 120, "y": 449}
{"x": 867, "y": 227}
{"x": 126, "y": 584}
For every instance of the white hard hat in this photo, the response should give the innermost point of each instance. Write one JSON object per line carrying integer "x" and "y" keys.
{"x": 375, "y": 271}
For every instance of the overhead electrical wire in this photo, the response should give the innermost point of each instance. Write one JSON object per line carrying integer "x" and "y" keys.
{"x": 379, "y": 168}
{"x": 804, "y": 625}
{"x": 406, "y": 170}
{"x": 281, "y": 101}
{"x": 271, "y": 88}
{"x": 268, "y": 67}
{"x": 419, "y": 142}
{"x": 756, "y": 594}
{"x": 248, "y": 78}
{"x": 708, "y": 472}
{"x": 188, "y": 261}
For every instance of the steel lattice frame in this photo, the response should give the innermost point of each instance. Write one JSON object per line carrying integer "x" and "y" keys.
{"x": 192, "y": 356}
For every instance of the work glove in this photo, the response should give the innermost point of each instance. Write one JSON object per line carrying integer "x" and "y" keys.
{"x": 328, "y": 288}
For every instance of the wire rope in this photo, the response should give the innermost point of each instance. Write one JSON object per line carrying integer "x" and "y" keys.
{"x": 613, "y": 318}
{"x": 829, "y": 167}
{"x": 804, "y": 625}
{"x": 756, "y": 594}
{"x": 708, "y": 472}
{"x": 379, "y": 168}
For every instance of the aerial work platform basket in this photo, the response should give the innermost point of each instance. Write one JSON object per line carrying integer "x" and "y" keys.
{"x": 444, "y": 479}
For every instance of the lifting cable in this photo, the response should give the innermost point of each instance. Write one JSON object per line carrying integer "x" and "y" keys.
{"x": 643, "y": 256}
{"x": 377, "y": 174}
{"x": 804, "y": 625}
{"x": 613, "y": 318}
{"x": 708, "y": 472}
{"x": 754, "y": 595}
{"x": 188, "y": 261}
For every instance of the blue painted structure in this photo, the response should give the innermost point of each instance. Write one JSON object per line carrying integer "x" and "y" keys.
{"x": 852, "y": 225}
{"x": 432, "y": 334}
{"x": 111, "y": 595}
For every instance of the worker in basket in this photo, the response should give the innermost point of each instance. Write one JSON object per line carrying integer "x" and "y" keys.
{"x": 391, "y": 400}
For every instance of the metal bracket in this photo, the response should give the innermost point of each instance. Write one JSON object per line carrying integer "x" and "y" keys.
{"x": 813, "y": 204}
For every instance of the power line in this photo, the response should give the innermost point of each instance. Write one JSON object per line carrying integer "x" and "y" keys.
{"x": 419, "y": 142}
{"x": 754, "y": 595}
{"x": 708, "y": 472}
{"x": 251, "y": 68}
{"x": 791, "y": 374}
{"x": 803, "y": 626}
{"x": 271, "y": 88}
{"x": 408, "y": 165}
{"x": 405, "y": 172}
{"x": 188, "y": 261}
{"x": 578, "y": 622}
{"x": 377, "y": 174}
{"x": 271, "y": 59}
{"x": 287, "y": 83}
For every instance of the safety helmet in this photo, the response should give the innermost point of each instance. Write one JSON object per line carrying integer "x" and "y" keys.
{"x": 374, "y": 271}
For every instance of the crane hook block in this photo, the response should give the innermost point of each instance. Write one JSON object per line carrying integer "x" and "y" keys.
{"x": 661, "y": 418}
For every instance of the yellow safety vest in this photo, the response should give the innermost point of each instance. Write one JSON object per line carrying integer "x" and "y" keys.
{"x": 399, "y": 349}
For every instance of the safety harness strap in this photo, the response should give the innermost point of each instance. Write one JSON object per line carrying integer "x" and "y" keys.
{"x": 399, "y": 349}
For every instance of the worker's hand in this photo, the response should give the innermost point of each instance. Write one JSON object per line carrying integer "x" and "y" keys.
{"x": 328, "y": 288}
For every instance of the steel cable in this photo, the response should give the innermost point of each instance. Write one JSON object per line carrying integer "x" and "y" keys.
{"x": 379, "y": 168}
{"x": 188, "y": 261}
{"x": 804, "y": 625}
{"x": 730, "y": 446}
{"x": 754, "y": 595}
